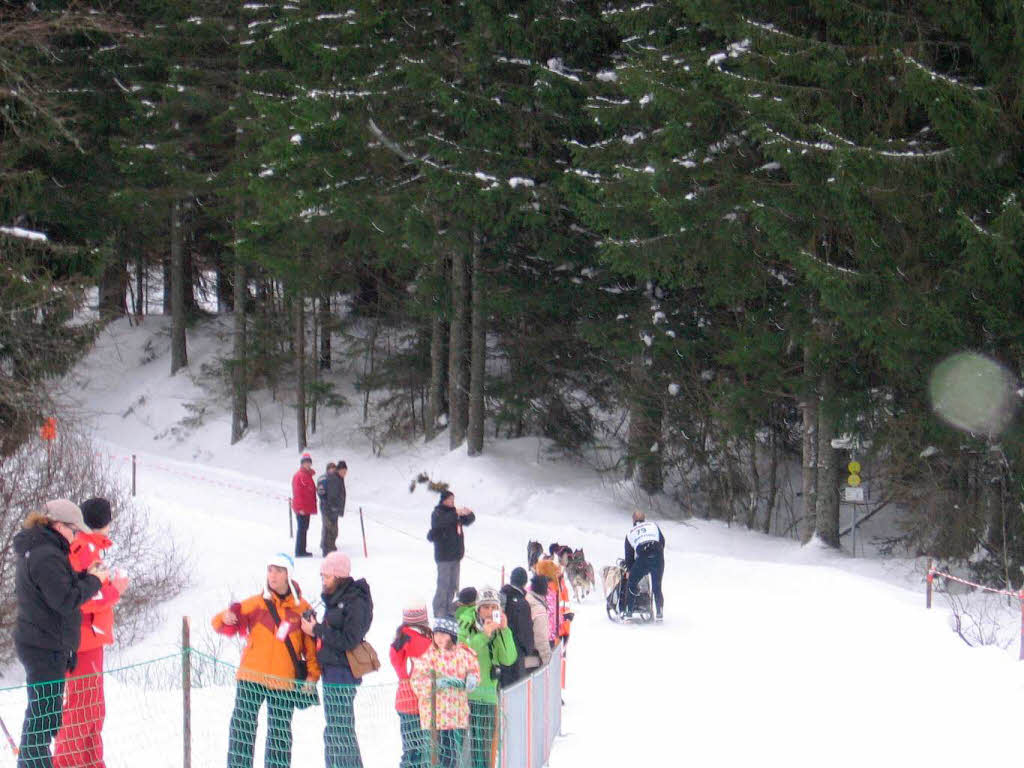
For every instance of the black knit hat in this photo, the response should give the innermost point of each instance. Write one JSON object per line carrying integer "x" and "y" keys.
{"x": 518, "y": 578}
{"x": 342, "y": 464}
{"x": 539, "y": 584}
{"x": 97, "y": 513}
{"x": 467, "y": 596}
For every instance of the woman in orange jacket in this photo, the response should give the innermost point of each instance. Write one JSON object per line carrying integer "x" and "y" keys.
{"x": 79, "y": 742}
{"x": 559, "y": 613}
{"x": 266, "y": 671}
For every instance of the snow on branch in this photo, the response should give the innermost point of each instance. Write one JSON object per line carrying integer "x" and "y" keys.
{"x": 828, "y": 264}
{"x": 633, "y": 9}
{"x": 557, "y": 67}
{"x": 492, "y": 182}
{"x": 824, "y": 146}
{"x": 938, "y": 75}
{"x": 26, "y": 234}
{"x": 634, "y": 242}
{"x": 771, "y": 28}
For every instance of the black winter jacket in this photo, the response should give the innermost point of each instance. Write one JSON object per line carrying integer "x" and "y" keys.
{"x": 330, "y": 488}
{"x": 446, "y": 533}
{"x": 348, "y": 612}
{"x": 521, "y": 623}
{"x": 49, "y": 592}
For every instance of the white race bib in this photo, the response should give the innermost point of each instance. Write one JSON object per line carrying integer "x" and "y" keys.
{"x": 644, "y": 533}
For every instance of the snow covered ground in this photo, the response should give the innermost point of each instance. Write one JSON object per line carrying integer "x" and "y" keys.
{"x": 769, "y": 652}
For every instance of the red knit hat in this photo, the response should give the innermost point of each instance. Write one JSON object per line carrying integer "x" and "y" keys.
{"x": 414, "y": 612}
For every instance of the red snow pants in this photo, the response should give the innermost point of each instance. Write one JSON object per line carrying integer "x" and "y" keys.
{"x": 80, "y": 740}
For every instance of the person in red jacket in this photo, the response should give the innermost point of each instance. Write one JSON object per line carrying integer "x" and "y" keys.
{"x": 80, "y": 740}
{"x": 303, "y": 502}
{"x": 412, "y": 640}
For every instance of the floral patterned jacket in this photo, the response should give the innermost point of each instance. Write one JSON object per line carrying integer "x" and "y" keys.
{"x": 452, "y": 702}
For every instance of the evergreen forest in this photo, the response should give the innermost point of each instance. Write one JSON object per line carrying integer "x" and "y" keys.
{"x": 727, "y": 243}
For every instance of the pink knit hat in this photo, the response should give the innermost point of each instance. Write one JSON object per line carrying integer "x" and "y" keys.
{"x": 337, "y": 564}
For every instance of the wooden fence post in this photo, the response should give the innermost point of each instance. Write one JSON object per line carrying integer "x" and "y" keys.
{"x": 133, "y": 474}
{"x": 434, "y": 734}
{"x": 1020, "y": 597}
{"x": 362, "y": 526}
{"x": 186, "y": 691}
{"x": 929, "y": 579}
{"x": 291, "y": 522}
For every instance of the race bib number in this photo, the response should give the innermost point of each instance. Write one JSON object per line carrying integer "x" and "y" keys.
{"x": 645, "y": 533}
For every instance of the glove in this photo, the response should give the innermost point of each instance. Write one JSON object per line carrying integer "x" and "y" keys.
{"x": 569, "y": 616}
{"x": 472, "y": 681}
{"x": 450, "y": 682}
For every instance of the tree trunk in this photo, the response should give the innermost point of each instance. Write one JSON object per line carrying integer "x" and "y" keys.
{"x": 644, "y": 436}
{"x": 140, "y": 285}
{"x": 435, "y": 397}
{"x": 325, "y": 332}
{"x": 754, "y": 497}
{"x": 113, "y": 286}
{"x": 478, "y": 355}
{"x": 809, "y": 454}
{"x": 167, "y": 284}
{"x": 437, "y": 371}
{"x": 773, "y": 479}
{"x": 314, "y": 372}
{"x": 300, "y": 373}
{"x": 457, "y": 353}
{"x": 179, "y": 355}
{"x": 190, "y": 271}
{"x": 826, "y": 517}
{"x": 225, "y": 290}
{"x": 239, "y": 367}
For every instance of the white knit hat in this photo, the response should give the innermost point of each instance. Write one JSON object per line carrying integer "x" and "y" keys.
{"x": 282, "y": 560}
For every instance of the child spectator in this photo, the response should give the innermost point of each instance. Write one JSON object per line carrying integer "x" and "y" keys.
{"x": 494, "y": 645}
{"x": 442, "y": 679}
{"x": 412, "y": 640}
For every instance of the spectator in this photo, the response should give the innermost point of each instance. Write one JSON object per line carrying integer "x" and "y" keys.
{"x": 348, "y": 612}
{"x": 321, "y": 485}
{"x": 517, "y": 609}
{"x": 268, "y": 669}
{"x": 441, "y": 679}
{"x": 412, "y": 640}
{"x": 48, "y": 627}
{"x": 446, "y": 524}
{"x": 303, "y": 503}
{"x": 79, "y": 742}
{"x": 558, "y": 600}
{"x": 494, "y": 645}
{"x": 549, "y": 570}
{"x": 537, "y": 600}
{"x": 465, "y": 611}
{"x": 332, "y": 505}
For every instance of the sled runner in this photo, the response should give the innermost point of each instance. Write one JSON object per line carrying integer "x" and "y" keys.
{"x": 615, "y": 584}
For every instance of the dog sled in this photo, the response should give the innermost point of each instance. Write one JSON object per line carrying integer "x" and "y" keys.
{"x": 615, "y": 582}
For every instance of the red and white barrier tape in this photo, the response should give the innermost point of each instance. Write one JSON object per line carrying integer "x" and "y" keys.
{"x": 192, "y": 476}
{"x": 934, "y": 572}
{"x": 265, "y": 494}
